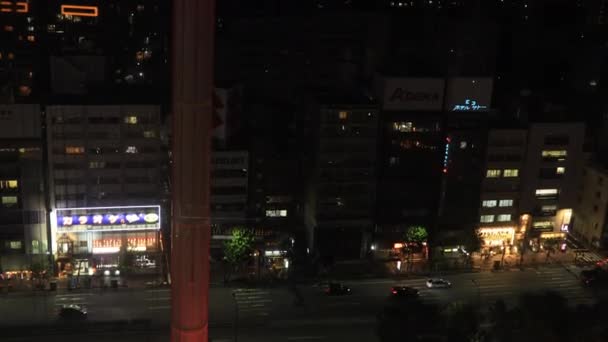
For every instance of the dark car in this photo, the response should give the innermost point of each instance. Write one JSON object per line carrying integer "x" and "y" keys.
{"x": 337, "y": 289}
{"x": 404, "y": 292}
{"x": 594, "y": 277}
{"x": 72, "y": 313}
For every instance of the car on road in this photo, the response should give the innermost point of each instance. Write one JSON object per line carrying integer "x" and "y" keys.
{"x": 72, "y": 312}
{"x": 337, "y": 289}
{"x": 404, "y": 292}
{"x": 438, "y": 283}
{"x": 594, "y": 277}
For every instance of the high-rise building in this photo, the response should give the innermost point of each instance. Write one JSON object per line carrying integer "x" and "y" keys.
{"x": 341, "y": 195}
{"x": 553, "y": 167}
{"x": 590, "y": 218}
{"x": 23, "y": 228}
{"x": 501, "y": 186}
{"x": 410, "y": 156}
{"x": 20, "y": 59}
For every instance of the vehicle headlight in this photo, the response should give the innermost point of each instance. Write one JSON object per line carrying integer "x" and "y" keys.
{"x": 117, "y": 272}
{"x": 106, "y": 272}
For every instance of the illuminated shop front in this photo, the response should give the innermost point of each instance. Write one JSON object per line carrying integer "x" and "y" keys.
{"x": 107, "y": 237}
{"x": 497, "y": 236}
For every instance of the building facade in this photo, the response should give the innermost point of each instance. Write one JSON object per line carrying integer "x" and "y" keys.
{"x": 342, "y": 192}
{"x": 105, "y": 185}
{"x": 591, "y": 212}
{"x": 23, "y": 223}
{"x": 553, "y": 166}
{"x": 499, "y": 206}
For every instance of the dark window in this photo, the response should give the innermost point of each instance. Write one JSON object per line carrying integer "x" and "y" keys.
{"x": 598, "y": 194}
{"x": 558, "y": 139}
{"x": 104, "y": 120}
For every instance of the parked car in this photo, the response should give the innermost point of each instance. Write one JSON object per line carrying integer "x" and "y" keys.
{"x": 438, "y": 283}
{"x": 404, "y": 292}
{"x": 594, "y": 277}
{"x": 337, "y": 289}
{"x": 72, "y": 313}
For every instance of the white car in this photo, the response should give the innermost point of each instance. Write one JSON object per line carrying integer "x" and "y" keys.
{"x": 437, "y": 283}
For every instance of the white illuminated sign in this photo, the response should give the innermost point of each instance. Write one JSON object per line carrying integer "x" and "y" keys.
{"x": 107, "y": 218}
{"x": 469, "y": 105}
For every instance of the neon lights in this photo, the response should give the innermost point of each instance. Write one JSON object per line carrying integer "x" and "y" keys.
{"x": 468, "y": 105}
{"x": 446, "y": 154}
{"x": 80, "y": 11}
{"x": 107, "y": 219}
{"x": 17, "y": 7}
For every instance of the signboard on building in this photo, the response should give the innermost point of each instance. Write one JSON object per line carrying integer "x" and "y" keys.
{"x": 496, "y": 236}
{"x": 469, "y": 94}
{"x": 412, "y": 94}
{"x": 107, "y": 219}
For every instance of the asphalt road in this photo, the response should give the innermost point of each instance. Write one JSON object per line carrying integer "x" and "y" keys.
{"x": 270, "y": 314}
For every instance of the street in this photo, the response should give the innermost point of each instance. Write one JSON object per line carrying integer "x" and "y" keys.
{"x": 271, "y": 314}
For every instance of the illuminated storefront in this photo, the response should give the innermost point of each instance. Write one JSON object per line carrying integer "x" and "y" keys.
{"x": 108, "y": 237}
{"x": 496, "y": 236}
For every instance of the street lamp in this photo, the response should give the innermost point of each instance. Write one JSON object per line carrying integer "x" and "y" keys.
{"x": 236, "y": 317}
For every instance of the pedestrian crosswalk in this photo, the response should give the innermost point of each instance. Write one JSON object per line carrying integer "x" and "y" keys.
{"x": 491, "y": 287}
{"x": 253, "y": 301}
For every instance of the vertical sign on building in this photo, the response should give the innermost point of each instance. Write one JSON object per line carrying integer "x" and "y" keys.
{"x": 446, "y": 154}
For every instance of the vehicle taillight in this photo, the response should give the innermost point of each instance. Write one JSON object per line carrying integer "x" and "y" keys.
{"x": 394, "y": 292}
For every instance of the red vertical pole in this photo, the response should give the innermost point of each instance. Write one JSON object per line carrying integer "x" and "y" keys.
{"x": 192, "y": 86}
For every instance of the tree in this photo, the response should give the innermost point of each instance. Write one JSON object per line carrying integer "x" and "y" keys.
{"x": 414, "y": 235}
{"x": 237, "y": 250}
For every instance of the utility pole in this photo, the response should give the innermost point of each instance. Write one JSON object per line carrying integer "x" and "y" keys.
{"x": 193, "y": 29}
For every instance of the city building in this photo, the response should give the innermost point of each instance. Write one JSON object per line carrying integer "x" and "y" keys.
{"x": 590, "y": 218}
{"x": 501, "y": 186}
{"x": 20, "y": 58}
{"x": 341, "y": 191}
{"x": 411, "y": 148}
{"x": 105, "y": 166}
{"x": 468, "y": 108}
{"x": 550, "y": 179}
{"x": 229, "y": 188}
{"x": 23, "y": 223}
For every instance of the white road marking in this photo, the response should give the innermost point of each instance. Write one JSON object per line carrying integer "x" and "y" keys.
{"x": 157, "y": 298}
{"x": 162, "y": 307}
{"x": 159, "y": 290}
{"x": 301, "y": 338}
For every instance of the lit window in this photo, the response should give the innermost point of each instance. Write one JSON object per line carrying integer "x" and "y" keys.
{"x": 131, "y": 149}
{"x": 31, "y": 38}
{"x": 9, "y": 184}
{"x": 403, "y": 126}
{"x": 8, "y": 28}
{"x": 131, "y": 120}
{"x": 560, "y": 170}
{"x": 554, "y": 154}
{"x": 493, "y": 173}
{"x": 343, "y": 115}
{"x": 149, "y": 134}
{"x": 547, "y": 193}
{"x": 488, "y": 203}
{"x": 503, "y": 217}
{"x": 276, "y": 213}
{"x": 74, "y": 150}
{"x": 97, "y": 165}
{"x": 486, "y": 218}
{"x": 15, "y": 244}
{"x": 511, "y": 173}
{"x": 9, "y": 201}
{"x": 544, "y": 225}
{"x": 505, "y": 203}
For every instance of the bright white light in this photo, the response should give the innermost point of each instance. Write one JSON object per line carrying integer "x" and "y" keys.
{"x": 117, "y": 273}
{"x": 286, "y": 263}
{"x": 106, "y": 272}
{"x": 399, "y": 265}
